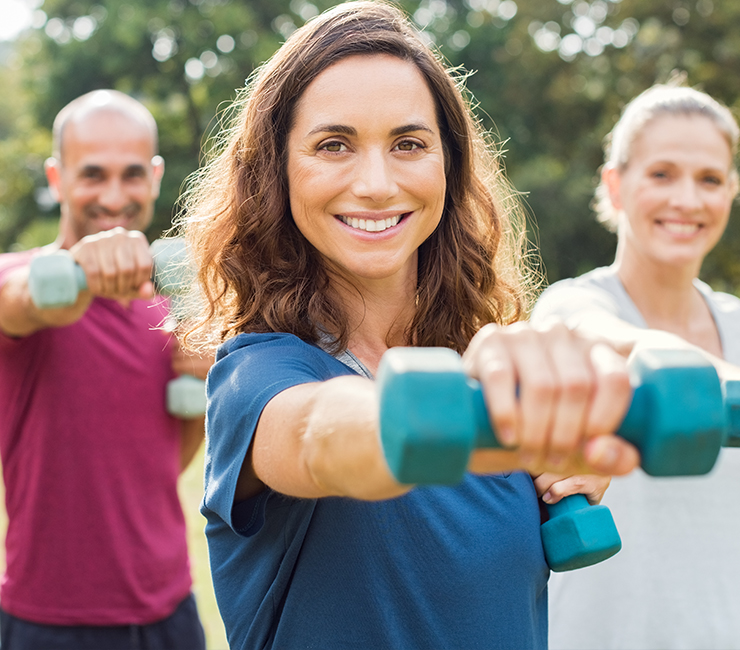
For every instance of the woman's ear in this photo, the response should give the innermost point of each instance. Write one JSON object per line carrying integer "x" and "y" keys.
{"x": 612, "y": 180}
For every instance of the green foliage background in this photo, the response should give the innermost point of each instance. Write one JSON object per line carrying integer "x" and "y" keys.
{"x": 550, "y": 103}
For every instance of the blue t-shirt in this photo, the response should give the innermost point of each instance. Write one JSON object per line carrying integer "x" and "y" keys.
{"x": 439, "y": 568}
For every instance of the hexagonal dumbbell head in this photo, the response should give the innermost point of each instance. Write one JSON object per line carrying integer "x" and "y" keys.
{"x": 172, "y": 273}
{"x": 578, "y": 534}
{"x": 186, "y": 397}
{"x": 732, "y": 408}
{"x": 427, "y": 423}
{"x": 677, "y": 418}
{"x": 55, "y": 280}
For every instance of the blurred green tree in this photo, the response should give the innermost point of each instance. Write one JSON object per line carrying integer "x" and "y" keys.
{"x": 549, "y": 76}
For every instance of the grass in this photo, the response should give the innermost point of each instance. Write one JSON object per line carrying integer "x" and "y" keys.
{"x": 191, "y": 493}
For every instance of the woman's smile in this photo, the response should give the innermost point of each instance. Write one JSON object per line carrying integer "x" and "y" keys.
{"x": 368, "y": 222}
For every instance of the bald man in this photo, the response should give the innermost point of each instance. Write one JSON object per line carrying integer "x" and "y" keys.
{"x": 96, "y": 549}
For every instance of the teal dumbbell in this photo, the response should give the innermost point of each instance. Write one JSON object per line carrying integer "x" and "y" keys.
{"x": 55, "y": 281}
{"x": 432, "y": 416}
{"x": 732, "y": 405}
{"x": 172, "y": 275}
{"x": 679, "y": 417}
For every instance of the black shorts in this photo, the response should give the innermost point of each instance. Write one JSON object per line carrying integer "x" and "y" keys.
{"x": 180, "y": 631}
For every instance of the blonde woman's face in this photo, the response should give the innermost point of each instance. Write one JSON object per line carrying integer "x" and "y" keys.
{"x": 676, "y": 191}
{"x": 366, "y": 167}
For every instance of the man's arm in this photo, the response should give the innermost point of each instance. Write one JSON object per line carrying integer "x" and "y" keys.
{"x": 117, "y": 265}
{"x": 192, "y": 434}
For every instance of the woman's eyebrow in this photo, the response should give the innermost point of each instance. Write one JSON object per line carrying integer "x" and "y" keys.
{"x": 408, "y": 128}
{"x": 349, "y": 130}
{"x": 333, "y": 128}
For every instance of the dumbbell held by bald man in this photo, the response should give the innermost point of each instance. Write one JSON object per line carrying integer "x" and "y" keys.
{"x": 55, "y": 281}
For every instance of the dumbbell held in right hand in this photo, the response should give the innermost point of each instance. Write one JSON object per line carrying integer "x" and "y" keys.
{"x": 433, "y": 415}
{"x": 55, "y": 280}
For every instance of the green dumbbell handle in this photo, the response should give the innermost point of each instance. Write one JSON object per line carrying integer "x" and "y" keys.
{"x": 55, "y": 281}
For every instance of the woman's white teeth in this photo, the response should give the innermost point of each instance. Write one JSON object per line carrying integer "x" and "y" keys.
{"x": 371, "y": 225}
{"x": 681, "y": 228}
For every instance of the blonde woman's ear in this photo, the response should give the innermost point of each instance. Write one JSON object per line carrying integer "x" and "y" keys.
{"x": 612, "y": 180}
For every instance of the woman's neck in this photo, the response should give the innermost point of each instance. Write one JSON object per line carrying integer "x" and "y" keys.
{"x": 378, "y": 315}
{"x": 668, "y": 299}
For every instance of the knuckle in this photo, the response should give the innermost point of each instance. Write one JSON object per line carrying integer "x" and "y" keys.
{"x": 618, "y": 384}
{"x": 577, "y": 386}
{"x": 543, "y": 388}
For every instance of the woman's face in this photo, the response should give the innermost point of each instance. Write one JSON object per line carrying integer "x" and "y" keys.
{"x": 366, "y": 167}
{"x": 676, "y": 190}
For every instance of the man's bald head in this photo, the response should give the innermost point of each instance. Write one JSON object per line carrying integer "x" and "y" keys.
{"x": 101, "y": 101}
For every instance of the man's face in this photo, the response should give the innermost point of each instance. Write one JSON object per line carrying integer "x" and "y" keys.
{"x": 108, "y": 176}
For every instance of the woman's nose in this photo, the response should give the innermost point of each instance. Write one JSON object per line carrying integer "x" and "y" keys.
{"x": 686, "y": 194}
{"x": 374, "y": 177}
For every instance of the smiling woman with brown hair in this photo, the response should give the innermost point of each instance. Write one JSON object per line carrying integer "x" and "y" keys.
{"x": 354, "y": 206}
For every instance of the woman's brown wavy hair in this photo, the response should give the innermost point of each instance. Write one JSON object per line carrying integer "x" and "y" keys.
{"x": 256, "y": 271}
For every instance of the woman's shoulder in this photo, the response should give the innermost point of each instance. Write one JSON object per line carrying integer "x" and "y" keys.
{"x": 273, "y": 355}
{"x": 603, "y": 277}
{"x": 725, "y": 302}
{"x": 255, "y": 342}
{"x": 597, "y": 289}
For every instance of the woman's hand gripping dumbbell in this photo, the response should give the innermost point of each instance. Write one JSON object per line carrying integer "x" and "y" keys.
{"x": 55, "y": 280}
{"x": 432, "y": 416}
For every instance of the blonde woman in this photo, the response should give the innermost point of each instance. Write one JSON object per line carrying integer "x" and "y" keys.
{"x": 667, "y": 186}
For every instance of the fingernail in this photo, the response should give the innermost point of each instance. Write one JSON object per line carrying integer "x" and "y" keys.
{"x": 547, "y": 497}
{"x": 605, "y": 453}
{"x": 555, "y": 460}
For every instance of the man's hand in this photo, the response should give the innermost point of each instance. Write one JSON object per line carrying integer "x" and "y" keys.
{"x": 117, "y": 264}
